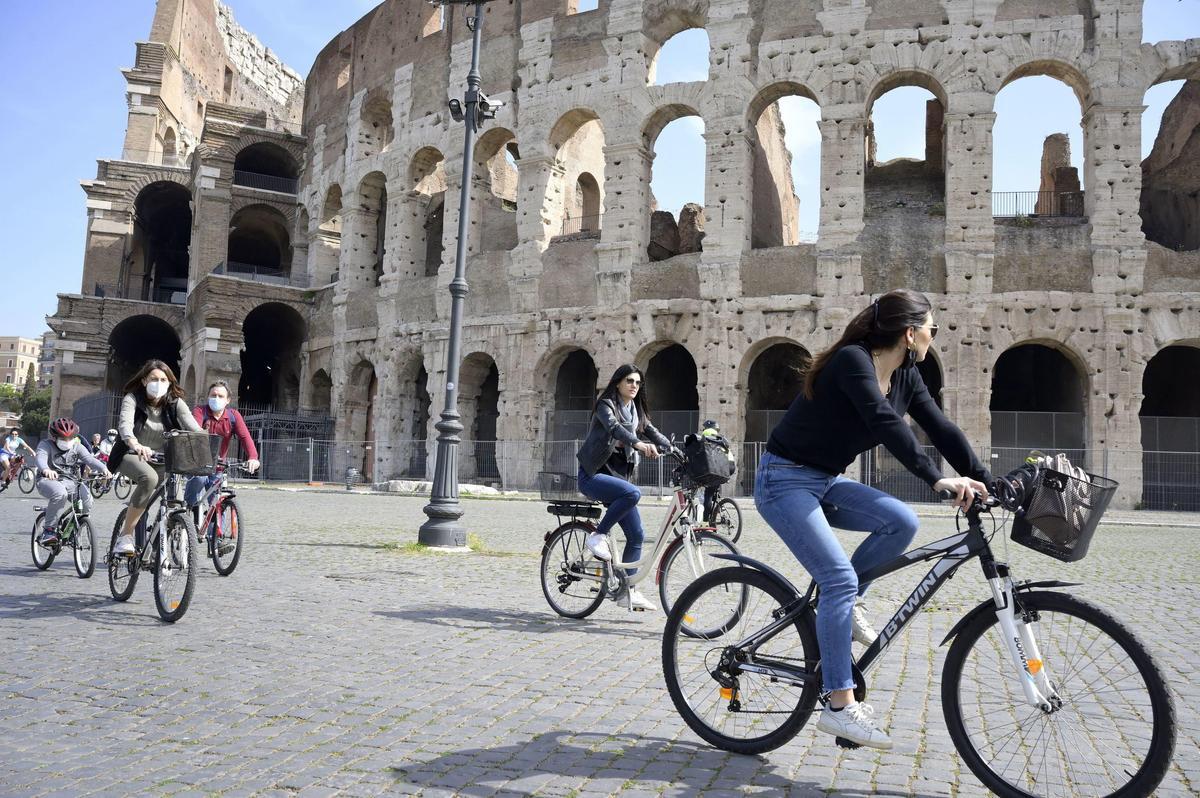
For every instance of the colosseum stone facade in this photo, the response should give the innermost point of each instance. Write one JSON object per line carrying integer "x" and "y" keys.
{"x": 299, "y": 240}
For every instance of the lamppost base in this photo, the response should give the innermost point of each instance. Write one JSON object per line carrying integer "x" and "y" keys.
{"x": 443, "y": 530}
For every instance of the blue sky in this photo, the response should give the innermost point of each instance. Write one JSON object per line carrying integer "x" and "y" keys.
{"x": 62, "y": 107}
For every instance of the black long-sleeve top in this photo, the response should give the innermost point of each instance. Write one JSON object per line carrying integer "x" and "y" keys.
{"x": 848, "y": 415}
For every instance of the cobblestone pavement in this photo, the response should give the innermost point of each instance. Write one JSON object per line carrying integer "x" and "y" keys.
{"x": 336, "y": 661}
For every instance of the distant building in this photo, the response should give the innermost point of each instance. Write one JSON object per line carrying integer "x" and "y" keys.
{"x": 46, "y": 360}
{"x": 16, "y": 356}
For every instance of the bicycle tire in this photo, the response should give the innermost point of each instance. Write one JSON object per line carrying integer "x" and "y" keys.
{"x": 224, "y": 566}
{"x": 969, "y": 653}
{"x": 793, "y": 713}
{"x": 38, "y": 551}
{"x": 563, "y": 555}
{"x": 727, "y": 519}
{"x": 123, "y": 487}
{"x": 85, "y": 554}
{"x": 674, "y": 567}
{"x": 26, "y": 480}
{"x": 123, "y": 571}
{"x": 176, "y": 561}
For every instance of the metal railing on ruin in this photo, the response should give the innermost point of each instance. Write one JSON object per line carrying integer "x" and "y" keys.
{"x": 262, "y": 274}
{"x": 1011, "y": 204}
{"x": 283, "y": 185}
{"x": 578, "y": 225}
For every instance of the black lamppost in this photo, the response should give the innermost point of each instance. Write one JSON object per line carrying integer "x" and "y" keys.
{"x": 443, "y": 528}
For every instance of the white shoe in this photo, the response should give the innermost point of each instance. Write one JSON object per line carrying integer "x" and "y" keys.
{"x": 597, "y": 544}
{"x": 639, "y": 602}
{"x": 856, "y": 724}
{"x": 124, "y": 545}
{"x": 862, "y": 630}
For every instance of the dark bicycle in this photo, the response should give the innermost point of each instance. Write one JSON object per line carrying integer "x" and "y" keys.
{"x": 1043, "y": 693}
{"x": 165, "y": 546}
{"x": 74, "y": 532}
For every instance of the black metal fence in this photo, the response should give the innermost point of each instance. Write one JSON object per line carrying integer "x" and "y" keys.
{"x": 1007, "y": 204}
{"x": 284, "y": 185}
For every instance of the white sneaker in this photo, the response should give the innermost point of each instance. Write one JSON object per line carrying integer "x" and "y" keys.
{"x": 124, "y": 545}
{"x": 597, "y": 544}
{"x": 639, "y": 602}
{"x": 855, "y": 723}
{"x": 863, "y": 632}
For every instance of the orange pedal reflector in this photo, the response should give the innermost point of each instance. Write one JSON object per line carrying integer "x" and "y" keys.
{"x": 174, "y": 605}
{"x": 689, "y": 618}
{"x": 727, "y": 693}
{"x": 1034, "y": 665}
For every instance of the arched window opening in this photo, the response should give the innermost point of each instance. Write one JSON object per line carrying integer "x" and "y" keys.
{"x": 419, "y": 425}
{"x": 321, "y": 393}
{"x": 424, "y": 221}
{"x": 273, "y": 335}
{"x": 682, "y": 58}
{"x": 1170, "y": 203}
{"x": 326, "y": 248}
{"x": 260, "y": 245}
{"x": 1170, "y": 419}
{"x": 574, "y": 397}
{"x": 576, "y": 189}
{"x": 671, "y": 391}
{"x": 377, "y": 131}
{"x": 268, "y": 167}
{"x": 479, "y": 406}
{"x": 677, "y": 189}
{"x": 786, "y": 202}
{"x": 162, "y": 234}
{"x": 1037, "y": 158}
{"x": 1037, "y": 402}
{"x": 585, "y": 204}
{"x": 776, "y": 379}
{"x": 494, "y": 193}
{"x": 169, "y": 148}
{"x": 134, "y": 341}
{"x": 581, "y": 6}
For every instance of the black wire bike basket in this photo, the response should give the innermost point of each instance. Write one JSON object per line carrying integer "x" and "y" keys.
{"x": 559, "y": 487}
{"x": 1061, "y": 514}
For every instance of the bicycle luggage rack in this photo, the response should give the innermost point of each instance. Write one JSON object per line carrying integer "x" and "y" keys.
{"x": 561, "y": 493}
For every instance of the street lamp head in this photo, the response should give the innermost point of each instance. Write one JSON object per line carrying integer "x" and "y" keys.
{"x": 456, "y": 110}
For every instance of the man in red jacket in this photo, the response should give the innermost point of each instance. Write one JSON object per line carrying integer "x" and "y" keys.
{"x": 217, "y": 418}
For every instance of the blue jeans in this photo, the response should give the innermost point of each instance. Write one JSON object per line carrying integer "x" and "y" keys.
{"x": 622, "y": 499}
{"x": 800, "y": 503}
{"x": 195, "y": 488}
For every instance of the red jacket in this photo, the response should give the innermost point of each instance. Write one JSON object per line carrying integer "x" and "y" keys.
{"x": 225, "y": 426}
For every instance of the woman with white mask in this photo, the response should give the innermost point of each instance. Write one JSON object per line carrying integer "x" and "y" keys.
{"x": 152, "y": 407}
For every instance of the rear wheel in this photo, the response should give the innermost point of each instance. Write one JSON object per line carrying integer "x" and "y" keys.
{"x": 727, "y": 519}
{"x": 123, "y": 570}
{"x": 175, "y": 571}
{"x": 27, "y": 480}
{"x": 42, "y": 556}
{"x": 85, "y": 549}
{"x": 1110, "y": 731}
{"x": 225, "y": 535}
{"x": 681, "y": 567}
{"x": 572, "y": 579}
{"x": 122, "y": 487}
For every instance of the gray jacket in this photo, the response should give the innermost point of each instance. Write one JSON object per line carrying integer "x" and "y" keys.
{"x": 607, "y": 431}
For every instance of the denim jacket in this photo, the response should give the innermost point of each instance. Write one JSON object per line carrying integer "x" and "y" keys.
{"x": 606, "y": 432}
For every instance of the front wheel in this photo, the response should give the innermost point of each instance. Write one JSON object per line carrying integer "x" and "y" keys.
{"x": 683, "y": 564}
{"x": 727, "y": 519}
{"x": 734, "y": 709}
{"x": 85, "y": 549}
{"x": 27, "y": 480}
{"x": 225, "y": 535}
{"x": 175, "y": 571}
{"x": 122, "y": 487}
{"x": 572, "y": 579}
{"x": 1111, "y": 730}
{"x": 123, "y": 570}
{"x": 42, "y": 556}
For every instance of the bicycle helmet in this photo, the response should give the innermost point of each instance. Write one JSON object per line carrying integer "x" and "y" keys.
{"x": 64, "y": 428}
{"x": 710, "y": 424}
{"x": 112, "y": 432}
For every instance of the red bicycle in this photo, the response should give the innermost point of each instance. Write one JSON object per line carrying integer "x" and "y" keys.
{"x": 221, "y": 528}
{"x": 24, "y": 475}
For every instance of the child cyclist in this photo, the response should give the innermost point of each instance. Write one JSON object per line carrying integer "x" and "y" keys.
{"x": 60, "y": 458}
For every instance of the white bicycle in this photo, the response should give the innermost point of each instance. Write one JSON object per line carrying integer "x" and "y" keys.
{"x": 575, "y": 582}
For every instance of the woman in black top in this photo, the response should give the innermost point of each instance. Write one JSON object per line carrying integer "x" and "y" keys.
{"x": 855, "y": 396}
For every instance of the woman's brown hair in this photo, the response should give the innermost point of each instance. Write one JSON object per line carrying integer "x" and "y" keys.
{"x": 134, "y": 386}
{"x": 880, "y": 325}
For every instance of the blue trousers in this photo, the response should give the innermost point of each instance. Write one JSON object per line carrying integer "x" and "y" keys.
{"x": 801, "y": 503}
{"x": 195, "y": 488}
{"x": 622, "y": 499}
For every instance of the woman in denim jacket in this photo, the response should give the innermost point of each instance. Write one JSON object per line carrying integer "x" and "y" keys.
{"x": 608, "y": 459}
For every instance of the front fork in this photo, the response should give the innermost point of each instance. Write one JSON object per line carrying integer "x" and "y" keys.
{"x": 1023, "y": 648}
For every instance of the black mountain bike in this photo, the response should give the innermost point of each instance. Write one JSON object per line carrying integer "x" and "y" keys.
{"x": 74, "y": 531}
{"x": 168, "y": 549}
{"x": 1043, "y": 693}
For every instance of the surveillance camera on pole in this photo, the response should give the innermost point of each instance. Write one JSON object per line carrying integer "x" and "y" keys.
{"x": 444, "y": 511}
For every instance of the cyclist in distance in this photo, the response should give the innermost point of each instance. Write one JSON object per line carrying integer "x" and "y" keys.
{"x": 217, "y": 418}
{"x": 152, "y": 407}
{"x": 57, "y": 456}
{"x": 855, "y": 396}
{"x": 11, "y": 445}
{"x": 106, "y": 445}
{"x": 609, "y": 457}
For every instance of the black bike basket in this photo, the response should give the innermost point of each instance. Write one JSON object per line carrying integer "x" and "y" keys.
{"x": 1061, "y": 514}
{"x": 708, "y": 462}
{"x": 559, "y": 487}
{"x": 190, "y": 453}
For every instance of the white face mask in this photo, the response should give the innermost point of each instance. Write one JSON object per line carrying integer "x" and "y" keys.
{"x": 64, "y": 446}
{"x": 156, "y": 389}
{"x": 217, "y": 404}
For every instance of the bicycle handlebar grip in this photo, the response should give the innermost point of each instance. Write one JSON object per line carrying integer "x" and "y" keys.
{"x": 945, "y": 495}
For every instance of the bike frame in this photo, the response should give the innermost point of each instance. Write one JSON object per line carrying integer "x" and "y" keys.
{"x": 153, "y": 530}
{"x": 16, "y": 462}
{"x": 950, "y": 553}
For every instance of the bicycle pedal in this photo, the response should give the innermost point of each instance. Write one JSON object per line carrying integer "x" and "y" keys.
{"x": 844, "y": 743}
